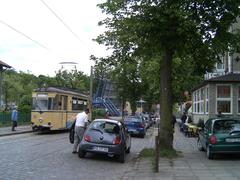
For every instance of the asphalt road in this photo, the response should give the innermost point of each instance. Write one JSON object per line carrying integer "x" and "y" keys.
{"x": 48, "y": 156}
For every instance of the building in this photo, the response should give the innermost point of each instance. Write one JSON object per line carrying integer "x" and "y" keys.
{"x": 220, "y": 91}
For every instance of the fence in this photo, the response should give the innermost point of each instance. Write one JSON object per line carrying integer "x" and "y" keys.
{"x": 23, "y": 118}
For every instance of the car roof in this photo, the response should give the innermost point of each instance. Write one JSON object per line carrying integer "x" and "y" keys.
{"x": 108, "y": 120}
{"x": 222, "y": 118}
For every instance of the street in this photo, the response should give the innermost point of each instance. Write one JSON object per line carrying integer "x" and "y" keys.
{"x": 49, "y": 156}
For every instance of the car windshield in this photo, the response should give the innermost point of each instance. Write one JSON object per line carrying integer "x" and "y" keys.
{"x": 226, "y": 126}
{"x": 104, "y": 126}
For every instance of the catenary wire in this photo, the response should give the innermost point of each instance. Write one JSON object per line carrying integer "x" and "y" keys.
{"x": 60, "y": 19}
{"x": 28, "y": 37}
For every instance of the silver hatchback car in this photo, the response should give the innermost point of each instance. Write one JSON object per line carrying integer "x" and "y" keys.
{"x": 105, "y": 136}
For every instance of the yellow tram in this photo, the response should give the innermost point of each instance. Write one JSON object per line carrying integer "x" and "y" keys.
{"x": 56, "y": 108}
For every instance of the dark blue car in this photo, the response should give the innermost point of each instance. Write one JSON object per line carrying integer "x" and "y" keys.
{"x": 135, "y": 125}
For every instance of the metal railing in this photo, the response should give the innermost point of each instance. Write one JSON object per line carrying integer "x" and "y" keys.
{"x": 23, "y": 118}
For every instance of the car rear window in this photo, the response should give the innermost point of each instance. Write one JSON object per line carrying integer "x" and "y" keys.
{"x": 133, "y": 119}
{"x": 226, "y": 126}
{"x": 106, "y": 127}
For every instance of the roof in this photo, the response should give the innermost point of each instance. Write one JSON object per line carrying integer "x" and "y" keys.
{"x": 231, "y": 77}
{"x": 61, "y": 90}
{"x": 3, "y": 64}
{"x": 228, "y": 78}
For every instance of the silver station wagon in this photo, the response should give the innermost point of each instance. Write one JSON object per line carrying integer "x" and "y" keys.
{"x": 105, "y": 136}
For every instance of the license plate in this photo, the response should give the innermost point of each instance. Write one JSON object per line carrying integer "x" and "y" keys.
{"x": 132, "y": 131}
{"x": 102, "y": 149}
{"x": 233, "y": 140}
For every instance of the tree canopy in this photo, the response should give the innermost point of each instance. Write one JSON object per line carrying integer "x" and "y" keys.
{"x": 179, "y": 34}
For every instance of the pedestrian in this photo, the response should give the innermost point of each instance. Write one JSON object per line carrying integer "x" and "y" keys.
{"x": 183, "y": 120}
{"x": 80, "y": 126}
{"x": 14, "y": 118}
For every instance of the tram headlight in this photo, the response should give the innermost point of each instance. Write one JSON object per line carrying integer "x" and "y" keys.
{"x": 40, "y": 120}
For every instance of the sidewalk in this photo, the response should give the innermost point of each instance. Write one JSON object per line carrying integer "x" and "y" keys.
{"x": 192, "y": 165}
{"x": 6, "y": 131}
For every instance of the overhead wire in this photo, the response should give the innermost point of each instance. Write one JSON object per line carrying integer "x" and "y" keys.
{"x": 23, "y": 34}
{"x": 61, "y": 20}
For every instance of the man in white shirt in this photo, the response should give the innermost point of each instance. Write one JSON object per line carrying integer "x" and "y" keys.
{"x": 80, "y": 126}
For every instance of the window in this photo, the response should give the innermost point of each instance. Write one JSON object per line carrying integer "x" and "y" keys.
{"x": 220, "y": 64}
{"x": 206, "y": 102}
{"x": 78, "y": 104}
{"x": 199, "y": 101}
{"x": 223, "y": 91}
{"x": 224, "y": 99}
{"x": 40, "y": 102}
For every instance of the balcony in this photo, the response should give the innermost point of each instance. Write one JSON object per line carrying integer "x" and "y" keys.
{"x": 208, "y": 76}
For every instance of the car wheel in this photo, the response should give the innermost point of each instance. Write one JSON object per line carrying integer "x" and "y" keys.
{"x": 209, "y": 153}
{"x": 122, "y": 157}
{"x": 199, "y": 145}
{"x": 81, "y": 154}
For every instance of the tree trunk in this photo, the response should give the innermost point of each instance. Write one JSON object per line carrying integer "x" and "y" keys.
{"x": 166, "y": 129}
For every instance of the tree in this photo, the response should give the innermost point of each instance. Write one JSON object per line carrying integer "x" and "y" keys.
{"x": 167, "y": 29}
{"x": 124, "y": 72}
{"x": 73, "y": 79}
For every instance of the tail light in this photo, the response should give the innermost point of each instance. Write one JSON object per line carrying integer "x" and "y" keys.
{"x": 141, "y": 125}
{"x": 117, "y": 140}
{"x": 212, "y": 139}
{"x": 87, "y": 138}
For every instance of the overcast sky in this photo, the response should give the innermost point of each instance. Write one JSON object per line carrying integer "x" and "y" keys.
{"x": 51, "y": 42}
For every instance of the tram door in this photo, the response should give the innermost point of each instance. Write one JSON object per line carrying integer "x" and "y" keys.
{"x": 64, "y": 100}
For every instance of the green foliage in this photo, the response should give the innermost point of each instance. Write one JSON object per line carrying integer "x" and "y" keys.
{"x": 184, "y": 37}
{"x": 18, "y": 86}
{"x": 25, "y": 104}
{"x": 98, "y": 113}
{"x": 72, "y": 79}
{"x": 147, "y": 152}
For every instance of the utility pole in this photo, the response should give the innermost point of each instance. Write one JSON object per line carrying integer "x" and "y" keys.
{"x": 3, "y": 67}
{"x": 91, "y": 94}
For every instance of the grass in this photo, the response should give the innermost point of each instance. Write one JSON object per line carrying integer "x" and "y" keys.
{"x": 169, "y": 153}
{"x": 147, "y": 153}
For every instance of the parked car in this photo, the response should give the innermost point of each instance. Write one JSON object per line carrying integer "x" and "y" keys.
{"x": 220, "y": 135}
{"x": 105, "y": 136}
{"x": 135, "y": 125}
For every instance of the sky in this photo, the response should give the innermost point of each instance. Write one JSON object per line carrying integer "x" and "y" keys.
{"x": 37, "y": 35}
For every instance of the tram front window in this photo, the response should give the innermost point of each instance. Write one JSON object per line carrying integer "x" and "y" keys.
{"x": 40, "y": 104}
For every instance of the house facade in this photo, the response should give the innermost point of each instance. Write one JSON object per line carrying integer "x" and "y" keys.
{"x": 220, "y": 91}
{"x": 219, "y": 94}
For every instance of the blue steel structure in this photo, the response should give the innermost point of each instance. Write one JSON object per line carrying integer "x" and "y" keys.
{"x": 102, "y": 98}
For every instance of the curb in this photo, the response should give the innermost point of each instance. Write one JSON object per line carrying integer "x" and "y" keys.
{"x": 15, "y": 133}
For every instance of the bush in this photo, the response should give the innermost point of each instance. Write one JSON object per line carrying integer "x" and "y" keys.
{"x": 98, "y": 113}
